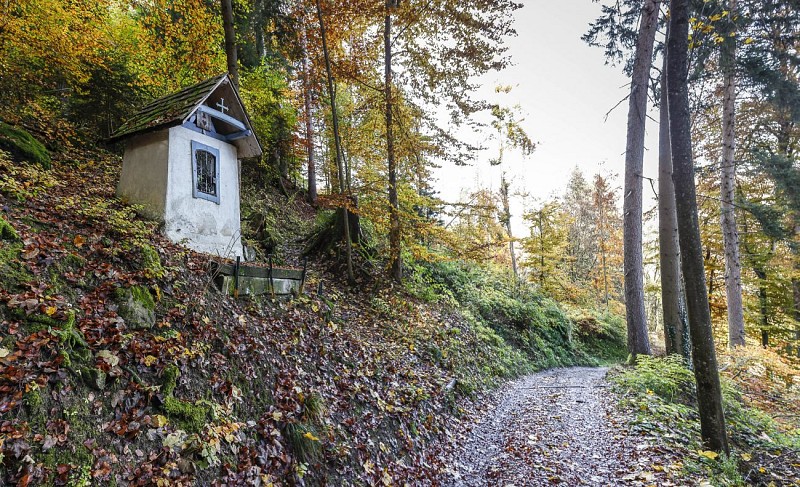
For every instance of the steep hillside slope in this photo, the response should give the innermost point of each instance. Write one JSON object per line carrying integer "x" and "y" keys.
{"x": 120, "y": 364}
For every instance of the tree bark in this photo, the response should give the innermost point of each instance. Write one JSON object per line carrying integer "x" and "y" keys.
{"x": 709, "y": 393}
{"x": 730, "y": 235}
{"x": 230, "y": 41}
{"x": 394, "y": 204}
{"x": 638, "y": 342}
{"x": 258, "y": 29}
{"x": 312, "y": 167}
{"x": 675, "y": 332}
{"x": 337, "y": 141}
{"x": 504, "y": 187}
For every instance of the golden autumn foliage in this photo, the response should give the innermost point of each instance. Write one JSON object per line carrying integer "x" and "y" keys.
{"x": 50, "y": 43}
{"x": 52, "y": 46}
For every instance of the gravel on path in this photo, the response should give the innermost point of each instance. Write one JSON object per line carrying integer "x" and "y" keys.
{"x": 557, "y": 427}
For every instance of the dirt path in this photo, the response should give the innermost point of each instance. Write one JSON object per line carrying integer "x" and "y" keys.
{"x": 556, "y": 427}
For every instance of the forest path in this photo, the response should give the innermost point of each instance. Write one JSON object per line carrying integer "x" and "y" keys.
{"x": 556, "y": 427}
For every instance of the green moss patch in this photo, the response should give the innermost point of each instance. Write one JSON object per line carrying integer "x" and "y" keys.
{"x": 13, "y": 274}
{"x": 73, "y": 344}
{"x": 136, "y": 307}
{"x": 7, "y": 232}
{"x": 151, "y": 262}
{"x": 23, "y": 145}
{"x": 304, "y": 442}
{"x": 190, "y": 416}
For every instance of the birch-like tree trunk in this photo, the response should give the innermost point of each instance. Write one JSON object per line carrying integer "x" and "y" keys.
{"x": 638, "y": 342}
{"x": 730, "y": 235}
{"x": 394, "y": 204}
{"x": 675, "y": 333}
{"x": 709, "y": 392}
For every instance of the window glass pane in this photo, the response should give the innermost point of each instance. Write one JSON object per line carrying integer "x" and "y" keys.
{"x": 206, "y": 164}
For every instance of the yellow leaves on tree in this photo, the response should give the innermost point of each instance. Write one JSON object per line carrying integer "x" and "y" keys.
{"x": 53, "y": 45}
{"x": 179, "y": 42}
{"x": 49, "y": 42}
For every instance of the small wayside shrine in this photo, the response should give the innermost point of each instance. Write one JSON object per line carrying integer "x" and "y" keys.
{"x": 181, "y": 164}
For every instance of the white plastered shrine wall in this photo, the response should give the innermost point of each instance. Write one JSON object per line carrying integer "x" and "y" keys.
{"x": 157, "y": 174}
{"x": 199, "y": 224}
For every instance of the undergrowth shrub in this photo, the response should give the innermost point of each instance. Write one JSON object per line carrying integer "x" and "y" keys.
{"x": 662, "y": 393}
{"x": 601, "y": 334}
{"x": 512, "y": 310}
{"x": 667, "y": 377}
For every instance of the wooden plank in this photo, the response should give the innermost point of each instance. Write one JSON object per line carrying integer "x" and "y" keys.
{"x": 239, "y": 135}
{"x": 223, "y": 117}
{"x": 262, "y": 272}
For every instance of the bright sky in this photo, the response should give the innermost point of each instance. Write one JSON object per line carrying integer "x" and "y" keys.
{"x": 564, "y": 90}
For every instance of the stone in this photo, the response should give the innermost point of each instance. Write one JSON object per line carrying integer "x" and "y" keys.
{"x": 136, "y": 307}
{"x": 94, "y": 378}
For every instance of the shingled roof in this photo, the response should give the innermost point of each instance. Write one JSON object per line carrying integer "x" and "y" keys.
{"x": 167, "y": 111}
{"x": 176, "y": 109}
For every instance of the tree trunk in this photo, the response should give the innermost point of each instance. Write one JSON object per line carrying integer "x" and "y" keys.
{"x": 730, "y": 236}
{"x": 638, "y": 342}
{"x": 504, "y": 186}
{"x": 230, "y": 41}
{"x": 258, "y": 29}
{"x": 312, "y": 168}
{"x": 603, "y": 260}
{"x": 760, "y": 270}
{"x": 394, "y": 204}
{"x": 675, "y": 333}
{"x": 709, "y": 393}
{"x": 761, "y": 273}
{"x": 337, "y": 142}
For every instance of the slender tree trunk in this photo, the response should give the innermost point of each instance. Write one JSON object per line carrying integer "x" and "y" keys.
{"x": 709, "y": 393}
{"x": 258, "y": 29}
{"x": 669, "y": 256}
{"x": 711, "y": 275}
{"x": 337, "y": 142}
{"x": 796, "y": 286}
{"x": 730, "y": 235}
{"x": 230, "y": 41}
{"x": 541, "y": 255}
{"x": 504, "y": 187}
{"x": 394, "y": 204}
{"x": 638, "y": 342}
{"x": 603, "y": 236}
{"x": 312, "y": 167}
{"x": 761, "y": 273}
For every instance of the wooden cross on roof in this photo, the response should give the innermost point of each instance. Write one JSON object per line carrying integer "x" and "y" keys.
{"x": 221, "y": 106}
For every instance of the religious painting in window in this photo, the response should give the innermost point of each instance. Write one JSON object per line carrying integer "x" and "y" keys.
{"x": 205, "y": 172}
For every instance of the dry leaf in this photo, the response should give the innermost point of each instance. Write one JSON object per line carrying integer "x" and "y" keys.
{"x": 711, "y": 455}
